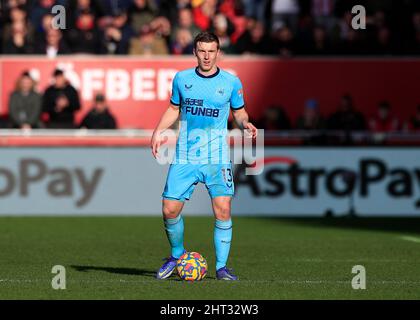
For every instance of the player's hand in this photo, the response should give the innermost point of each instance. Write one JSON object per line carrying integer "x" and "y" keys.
{"x": 250, "y": 129}
{"x": 155, "y": 143}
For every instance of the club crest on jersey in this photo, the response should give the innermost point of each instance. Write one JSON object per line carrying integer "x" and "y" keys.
{"x": 220, "y": 91}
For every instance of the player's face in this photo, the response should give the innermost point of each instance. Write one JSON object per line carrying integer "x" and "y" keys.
{"x": 207, "y": 53}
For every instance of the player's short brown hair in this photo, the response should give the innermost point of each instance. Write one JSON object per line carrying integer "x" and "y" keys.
{"x": 206, "y": 37}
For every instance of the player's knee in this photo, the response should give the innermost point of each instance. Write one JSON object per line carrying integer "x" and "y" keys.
{"x": 222, "y": 212}
{"x": 170, "y": 212}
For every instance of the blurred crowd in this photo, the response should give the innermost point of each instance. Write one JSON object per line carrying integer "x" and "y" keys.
{"x": 347, "y": 117}
{"x": 57, "y": 106}
{"x": 160, "y": 27}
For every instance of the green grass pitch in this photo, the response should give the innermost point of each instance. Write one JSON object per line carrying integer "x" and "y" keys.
{"x": 116, "y": 258}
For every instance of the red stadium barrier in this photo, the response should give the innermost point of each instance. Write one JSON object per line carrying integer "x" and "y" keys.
{"x": 138, "y": 89}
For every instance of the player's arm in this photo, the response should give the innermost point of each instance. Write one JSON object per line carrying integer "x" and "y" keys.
{"x": 242, "y": 119}
{"x": 168, "y": 119}
{"x": 237, "y": 104}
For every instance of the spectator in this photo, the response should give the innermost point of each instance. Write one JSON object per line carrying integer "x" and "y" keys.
{"x": 185, "y": 21}
{"x": 223, "y": 28}
{"x": 319, "y": 44}
{"x": 183, "y": 43}
{"x": 99, "y": 117}
{"x": 149, "y": 42}
{"x": 379, "y": 20}
{"x": 414, "y": 122}
{"x": 40, "y": 8}
{"x": 204, "y": 12}
{"x": 141, "y": 14}
{"x": 76, "y": 7}
{"x": 46, "y": 25}
{"x": 284, "y": 42}
{"x": 311, "y": 118}
{"x": 234, "y": 11}
{"x": 17, "y": 15}
{"x": 342, "y": 27}
{"x": 414, "y": 35}
{"x": 116, "y": 36}
{"x": 84, "y": 36}
{"x": 173, "y": 9}
{"x": 12, "y": 11}
{"x": 274, "y": 118}
{"x": 19, "y": 42}
{"x": 346, "y": 117}
{"x": 53, "y": 44}
{"x": 47, "y": 22}
{"x": 60, "y": 102}
{"x": 162, "y": 27}
{"x": 254, "y": 40}
{"x": 382, "y": 43}
{"x": 384, "y": 121}
{"x": 25, "y": 104}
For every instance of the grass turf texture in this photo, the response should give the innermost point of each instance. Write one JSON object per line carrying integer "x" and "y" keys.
{"x": 117, "y": 257}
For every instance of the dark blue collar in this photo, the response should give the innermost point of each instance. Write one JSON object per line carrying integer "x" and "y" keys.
{"x": 210, "y": 76}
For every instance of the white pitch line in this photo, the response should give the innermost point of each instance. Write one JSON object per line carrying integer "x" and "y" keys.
{"x": 410, "y": 238}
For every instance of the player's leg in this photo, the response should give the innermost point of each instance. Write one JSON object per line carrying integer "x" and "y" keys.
{"x": 174, "y": 228}
{"x": 219, "y": 182}
{"x": 179, "y": 187}
{"x": 174, "y": 225}
{"x": 222, "y": 236}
